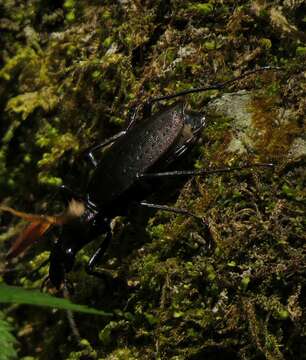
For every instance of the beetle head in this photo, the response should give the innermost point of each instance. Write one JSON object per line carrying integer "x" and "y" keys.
{"x": 81, "y": 223}
{"x": 84, "y": 224}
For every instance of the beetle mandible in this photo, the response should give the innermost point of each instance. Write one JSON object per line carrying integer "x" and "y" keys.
{"x": 123, "y": 175}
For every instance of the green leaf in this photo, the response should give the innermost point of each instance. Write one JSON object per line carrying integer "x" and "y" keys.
{"x": 18, "y": 295}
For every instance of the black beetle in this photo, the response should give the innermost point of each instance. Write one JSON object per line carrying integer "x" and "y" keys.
{"x": 122, "y": 176}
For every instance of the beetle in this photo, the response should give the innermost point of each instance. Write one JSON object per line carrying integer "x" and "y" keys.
{"x": 125, "y": 174}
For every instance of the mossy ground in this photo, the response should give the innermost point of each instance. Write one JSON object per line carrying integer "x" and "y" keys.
{"x": 70, "y": 73}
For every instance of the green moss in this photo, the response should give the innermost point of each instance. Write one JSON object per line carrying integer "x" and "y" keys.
{"x": 300, "y": 51}
{"x": 107, "y": 42}
{"x": 283, "y": 314}
{"x": 26, "y": 103}
{"x": 106, "y": 15}
{"x": 157, "y": 231}
{"x": 105, "y": 335}
{"x": 87, "y": 352}
{"x": 23, "y": 56}
{"x": 46, "y": 179}
{"x": 265, "y": 43}
{"x": 203, "y": 8}
{"x": 179, "y": 289}
{"x": 122, "y": 354}
{"x": 152, "y": 320}
{"x": 232, "y": 263}
{"x": 70, "y": 16}
{"x": 69, "y": 4}
{"x": 245, "y": 283}
{"x": 96, "y": 74}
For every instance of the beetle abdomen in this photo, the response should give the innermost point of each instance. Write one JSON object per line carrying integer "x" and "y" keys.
{"x": 135, "y": 153}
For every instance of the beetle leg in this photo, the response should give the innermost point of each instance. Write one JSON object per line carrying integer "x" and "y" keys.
{"x": 203, "y": 221}
{"x": 202, "y": 172}
{"x": 90, "y": 268}
{"x": 70, "y": 315}
{"x": 90, "y": 153}
{"x": 171, "y": 209}
{"x": 132, "y": 118}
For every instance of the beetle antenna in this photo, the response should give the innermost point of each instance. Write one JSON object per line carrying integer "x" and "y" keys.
{"x": 184, "y": 173}
{"x": 215, "y": 86}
